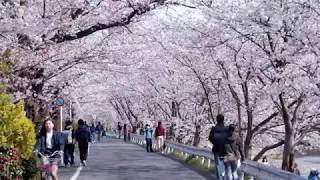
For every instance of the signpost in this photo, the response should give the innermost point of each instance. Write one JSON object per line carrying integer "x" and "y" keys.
{"x": 59, "y": 101}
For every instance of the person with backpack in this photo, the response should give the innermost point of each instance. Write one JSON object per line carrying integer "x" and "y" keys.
{"x": 233, "y": 154}
{"x": 69, "y": 145}
{"x": 148, "y": 135}
{"x": 160, "y": 136}
{"x": 218, "y": 138}
{"x": 83, "y": 137}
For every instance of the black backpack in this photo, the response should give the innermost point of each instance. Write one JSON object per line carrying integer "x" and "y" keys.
{"x": 218, "y": 137}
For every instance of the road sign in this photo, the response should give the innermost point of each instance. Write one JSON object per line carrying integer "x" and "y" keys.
{"x": 59, "y": 101}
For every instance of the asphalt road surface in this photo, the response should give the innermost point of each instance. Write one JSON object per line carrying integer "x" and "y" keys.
{"x": 115, "y": 160}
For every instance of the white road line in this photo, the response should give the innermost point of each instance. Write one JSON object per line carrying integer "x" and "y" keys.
{"x": 77, "y": 173}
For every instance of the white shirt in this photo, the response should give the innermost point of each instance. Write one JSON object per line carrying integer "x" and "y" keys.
{"x": 49, "y": 140}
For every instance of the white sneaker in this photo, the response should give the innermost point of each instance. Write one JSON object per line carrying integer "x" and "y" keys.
{"x": 84, "y": 163}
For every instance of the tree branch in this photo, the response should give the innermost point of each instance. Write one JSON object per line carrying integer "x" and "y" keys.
{"x": 267, "y": 148}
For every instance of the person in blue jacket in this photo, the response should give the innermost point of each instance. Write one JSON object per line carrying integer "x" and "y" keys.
{"x": 148, "y": 135}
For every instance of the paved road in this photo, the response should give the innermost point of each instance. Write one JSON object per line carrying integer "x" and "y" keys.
{"x": 115, "y": 160}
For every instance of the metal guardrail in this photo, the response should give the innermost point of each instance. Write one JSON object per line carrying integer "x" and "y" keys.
{"x": 252, "y": 168}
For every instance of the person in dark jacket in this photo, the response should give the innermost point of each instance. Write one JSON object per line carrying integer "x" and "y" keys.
{"x": 119, "y": 128}
{"x": 218, "y": 137}
{"x": 69, "y": 144}
{"x": 99, "y": 129}
{"x": 234, "y": 154}
{"x": 314, "y": 174}
{"x": 48, "y": 142}
{"x": 125, "y": 132}
{"x": 83, "y": 137}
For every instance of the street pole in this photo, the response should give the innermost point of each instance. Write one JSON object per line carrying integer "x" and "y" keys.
{"x": 61, "y": 119}
{"x": 70, "y": 110}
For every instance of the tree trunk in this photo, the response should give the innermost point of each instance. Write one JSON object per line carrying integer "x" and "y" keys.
{"x": 287, "y": 155}
{"x": 196, "y": 139}
{"x": 288, "y": 152}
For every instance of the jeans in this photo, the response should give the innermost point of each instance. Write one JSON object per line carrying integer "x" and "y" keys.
{"x": 149, "y": 144}
{"x": 231, "y": 170}
{"x": 119, "y": 134}
{"x": 93, "y": 136}
{"x": 68, "y": 154}
{"x": 218, "y": 160}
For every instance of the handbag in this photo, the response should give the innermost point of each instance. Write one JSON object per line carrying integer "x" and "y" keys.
{"x": 230, "y": 157}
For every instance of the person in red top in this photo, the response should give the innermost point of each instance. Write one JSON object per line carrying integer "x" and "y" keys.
{"x": 160, "y": 136}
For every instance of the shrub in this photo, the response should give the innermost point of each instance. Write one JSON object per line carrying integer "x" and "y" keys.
{"x": 15, "y": 128}
{"x": 30, "y": 167}
{"x": 9, "y": 163}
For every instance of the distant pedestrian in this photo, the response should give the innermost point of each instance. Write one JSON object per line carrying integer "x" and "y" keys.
{"x": 125, "y": 132}
{"x": 119, "y": 128}
{"x": 104, "y": 132}
{"x": 69, "y": 145}
{"x": 159, "y": 134}
{"x": 218, "y": 137}
{"x": 148, "y": 131}
{"x": 99, "y": 129}
{"x": 93, "y": 133}
{"x": 233, "y": 154}
{"x": 82, "y": 136}
{"x": 296, "y": 169}
{"x": 314, "y": 174}
{"x": 265, "y": 161}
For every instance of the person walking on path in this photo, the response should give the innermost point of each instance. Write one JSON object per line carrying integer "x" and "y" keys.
{"x": 119, "y": 128}
{"x": 69, "y": 145}
{"x": 83, "y": 137}
{"x": 296, "y": 169}
{"x": 148, "y": 131}
{"x": 99, "y": 129}
{"x": 160, "y": 136}
{"x": 218, "y": 137}
{"x": 125, "y": 132}
{"x": 265, "y": 161}
{"x": 49, "y": 141}
{"x": 314, "y": 174}
{"x": 233, "y": 155}
{"x": 93, "y": 133}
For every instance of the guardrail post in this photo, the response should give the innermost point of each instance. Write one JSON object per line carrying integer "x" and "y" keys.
{"x": 202, "y": 161}
{"x": 209, "y": 163}
{"x": 185, "y": 155}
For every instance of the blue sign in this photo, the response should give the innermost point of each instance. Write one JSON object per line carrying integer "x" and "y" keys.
{"x": 59, "y": 101}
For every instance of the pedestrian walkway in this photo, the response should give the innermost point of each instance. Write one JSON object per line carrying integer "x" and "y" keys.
{"x": 116, "y": 160}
